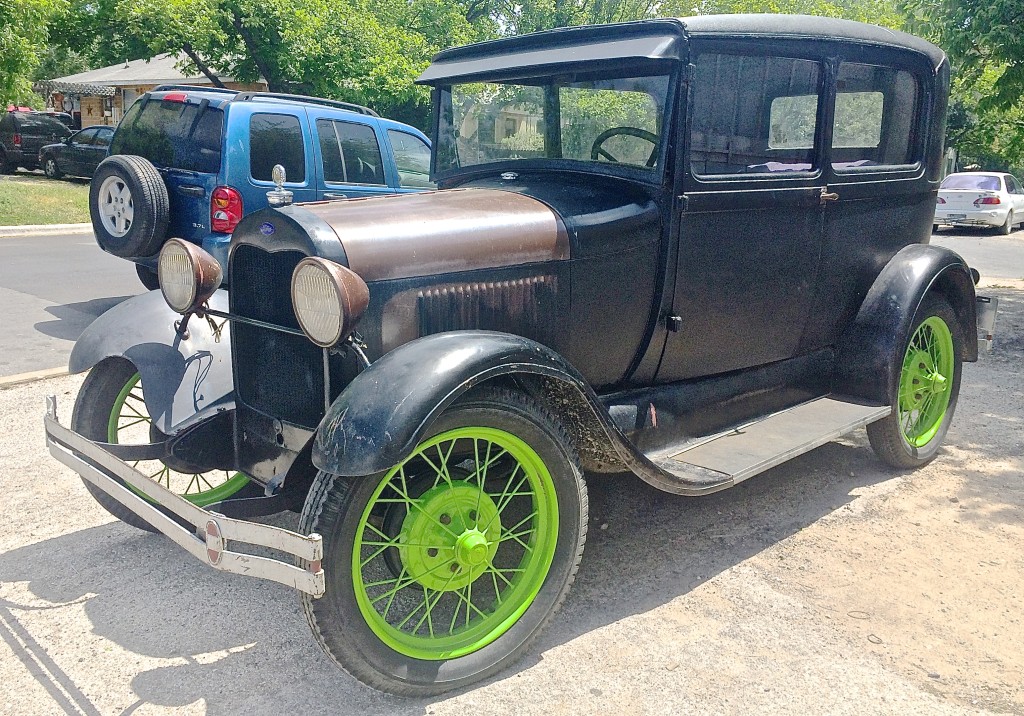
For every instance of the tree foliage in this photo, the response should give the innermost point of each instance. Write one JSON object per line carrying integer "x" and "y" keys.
{"x": 23, "y": 28}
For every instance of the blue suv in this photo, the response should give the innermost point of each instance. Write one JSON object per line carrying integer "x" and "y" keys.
{"x": 189, "y": 162}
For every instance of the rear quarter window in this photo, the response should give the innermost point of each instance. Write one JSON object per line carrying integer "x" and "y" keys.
{"x": 276, "y": 139}
{"x": 173, "y": 134}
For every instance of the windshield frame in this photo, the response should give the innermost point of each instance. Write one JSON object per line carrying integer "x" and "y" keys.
{"x": 656, "y": 175}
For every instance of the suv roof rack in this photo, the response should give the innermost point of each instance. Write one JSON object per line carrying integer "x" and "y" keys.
{"x": 351, "y": 107}
{"x": 193, "y": 88}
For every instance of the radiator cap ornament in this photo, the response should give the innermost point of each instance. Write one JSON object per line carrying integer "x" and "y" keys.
{"x": 279, "y": 196}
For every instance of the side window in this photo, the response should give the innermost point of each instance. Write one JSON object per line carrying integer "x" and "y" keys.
{"x": 103, "y": 139}
{"x": 1012, "y": 185}
{"x": 276, "y": 139}
{"x": 753, "y": 114}
{"x": 351, "y": 153}
{"x": 86, "y": 137}
{"x": 412, "y": 156}
{"x": 876, "y": 109}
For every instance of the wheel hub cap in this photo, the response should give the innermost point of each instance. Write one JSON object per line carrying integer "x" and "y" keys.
{"x": 449, "y": 538}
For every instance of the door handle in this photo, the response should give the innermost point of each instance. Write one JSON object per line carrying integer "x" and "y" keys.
{"x": 827, "y": 196}
{"x": 332, "y": 195}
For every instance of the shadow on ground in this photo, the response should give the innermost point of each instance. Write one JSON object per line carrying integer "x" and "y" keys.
{"x": 74, "y": 318}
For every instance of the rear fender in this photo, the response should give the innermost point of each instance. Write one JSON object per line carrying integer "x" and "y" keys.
{"x": 185, "y": 379}
{"x": 867, "y": 368}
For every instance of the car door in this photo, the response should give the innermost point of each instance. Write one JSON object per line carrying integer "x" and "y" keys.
{"x": 350, "y": 160}
{"x": 750, "y": 222}
{"x": 1016, "y": 192}
{"x": 97, "y": 151}
{"x": 75, "y": 155}
{"x": 279, "y": 136}
{"x": 411, "y": 161}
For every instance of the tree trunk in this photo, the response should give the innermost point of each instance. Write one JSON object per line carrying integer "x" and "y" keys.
{"x": 250, "y": 45}
{"x": 203, "y": 67}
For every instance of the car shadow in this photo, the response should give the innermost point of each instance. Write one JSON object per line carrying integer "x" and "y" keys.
{"x": 74, "y": 318}
{"x": 243, "y": 645}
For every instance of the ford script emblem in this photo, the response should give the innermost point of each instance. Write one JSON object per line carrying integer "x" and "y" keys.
{"x": 266, "y": 228}
{"x": 509, "y": 176}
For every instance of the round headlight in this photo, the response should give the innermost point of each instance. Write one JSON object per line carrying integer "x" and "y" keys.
{"x": 188, "y": 275}
{"x": 328, "y": 300}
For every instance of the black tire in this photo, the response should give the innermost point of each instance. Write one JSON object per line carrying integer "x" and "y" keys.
{"x": 150, "y": 279}
{"x": 90, "y": 419}
{"x": 334, "y": 508}
{"x": 147, "y": 230}
{"x": 1007, "y": 226}
{"x": 50, "y": 168}
{"x": 6, "y": 167}
{"x": 887, "y": 436}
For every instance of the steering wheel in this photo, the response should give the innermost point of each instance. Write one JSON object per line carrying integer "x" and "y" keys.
{"x": 597, "y": 151}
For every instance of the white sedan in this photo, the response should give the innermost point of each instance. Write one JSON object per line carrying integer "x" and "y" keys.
{"x": 980, "y": 199}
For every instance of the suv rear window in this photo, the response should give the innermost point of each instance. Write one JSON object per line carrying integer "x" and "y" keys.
{"x": 41, "y": 124}
{"x": 173, "y": 134}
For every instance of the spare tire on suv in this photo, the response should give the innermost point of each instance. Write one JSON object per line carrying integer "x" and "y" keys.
{"x": 129, "y": 206}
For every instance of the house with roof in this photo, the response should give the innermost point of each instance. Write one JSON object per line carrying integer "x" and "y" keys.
{"x": 102, "y": 96}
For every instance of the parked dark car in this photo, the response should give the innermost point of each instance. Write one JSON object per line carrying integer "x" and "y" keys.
{"x": 23, "y": 134}
{"x": 690, "y": 249}
{"x": 78, "y": 155}
{"x": 189, "y": 162}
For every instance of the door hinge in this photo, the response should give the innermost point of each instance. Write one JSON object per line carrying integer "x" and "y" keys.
{"x": 682, "y": 203}
{"x": 674, "y": 323}
{"x": 827, "y": 196}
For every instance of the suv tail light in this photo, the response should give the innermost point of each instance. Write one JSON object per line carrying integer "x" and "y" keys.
{"x": 225, "y": 209}
{"x": 17, "y": 141}
{"x": 987, "y": 200}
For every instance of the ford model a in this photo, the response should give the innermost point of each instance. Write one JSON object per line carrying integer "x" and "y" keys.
{"x": 687, "y": 249}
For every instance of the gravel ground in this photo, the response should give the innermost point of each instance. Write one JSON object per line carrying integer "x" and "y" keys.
{"x": 827, "y": 585}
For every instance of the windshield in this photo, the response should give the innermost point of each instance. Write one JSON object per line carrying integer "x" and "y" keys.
{"x": 617, "y": 120}
{"x": 971, "y": 181}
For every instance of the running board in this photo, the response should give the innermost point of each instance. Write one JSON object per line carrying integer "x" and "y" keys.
{"x": 753, "y": 448}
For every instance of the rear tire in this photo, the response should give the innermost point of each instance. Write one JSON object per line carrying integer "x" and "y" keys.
{"x": 926, "y": 392}
{"x": 6, "y": 167}
{"x": 129, "y": 206}
{"x": 455, "y": 507}
{"x": 1007, "y": 227}
{"x": 150, "y": 279}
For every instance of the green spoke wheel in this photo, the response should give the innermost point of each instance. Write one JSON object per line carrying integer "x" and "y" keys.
{"x": 444, "y": 568}
{"x": 110, "y": 408}
{"x": 929, "y": 382}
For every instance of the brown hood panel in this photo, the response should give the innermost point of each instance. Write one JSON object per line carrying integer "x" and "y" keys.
{"x": 440, "y": 232}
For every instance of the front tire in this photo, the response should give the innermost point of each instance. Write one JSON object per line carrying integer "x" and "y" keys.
{"x": 110, "y": 408}
{"x": 443, "y": 570}
{"x": 927, "y": 391}
{"x": 50, "y": 168}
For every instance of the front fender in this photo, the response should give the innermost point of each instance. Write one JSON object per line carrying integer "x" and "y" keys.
{"x": 383, "y": 414}
{"x": 868, "y": 367}
{"x": 185, "y": 380}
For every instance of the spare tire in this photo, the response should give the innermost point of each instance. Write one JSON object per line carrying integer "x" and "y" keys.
{"x": 129, "y": 206}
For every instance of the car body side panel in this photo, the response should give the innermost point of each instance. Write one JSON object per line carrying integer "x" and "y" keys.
{"x": 185, "y": 379}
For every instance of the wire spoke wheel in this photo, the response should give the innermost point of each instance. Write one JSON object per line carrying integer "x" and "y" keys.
{"x": 927, "y": 387}
{"x": 130, "y": 423}
{"x": 455, "y": 543}
{"x": 443, "y": 569}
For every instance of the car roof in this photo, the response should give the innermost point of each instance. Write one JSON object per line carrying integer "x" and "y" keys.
{"x": 654, "y": 40}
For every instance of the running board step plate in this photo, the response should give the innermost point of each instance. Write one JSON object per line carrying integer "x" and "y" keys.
{"x": 759, "y": 446}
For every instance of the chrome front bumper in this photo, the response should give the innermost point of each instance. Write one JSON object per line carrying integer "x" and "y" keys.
{"x": 209, "y": 542}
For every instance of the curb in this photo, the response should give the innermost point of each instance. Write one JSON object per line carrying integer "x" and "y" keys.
{"x": 10, "y": 381}
{"x": 43, "y": 229}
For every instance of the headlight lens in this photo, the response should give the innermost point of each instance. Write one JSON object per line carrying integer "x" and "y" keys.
{"x": 188, "y": 275}
{"x": 328, "y": 300}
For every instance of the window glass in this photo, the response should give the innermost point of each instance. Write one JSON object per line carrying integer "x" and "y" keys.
{"x": 351, "y": 153}
{"x": 86, "y": 136}
{"x": 276, "y": 139}
{"x": 412, "y": 157}
{"x": 172, "y": 134}
{"x": 103, "y": 138}
{"x": 1012, "y": 185}
{"x": 41, "y": 124}
{"x": 753, "y": 114}
{"x": 987, "y": 182}
{"x": 874, "y": 119}
{"x": 572, "y": 116}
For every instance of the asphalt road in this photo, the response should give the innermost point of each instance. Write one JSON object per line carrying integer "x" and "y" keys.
{"x": 51, "y": 288}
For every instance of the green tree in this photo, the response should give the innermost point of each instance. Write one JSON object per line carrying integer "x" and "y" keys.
{"x": 23, "y": 32}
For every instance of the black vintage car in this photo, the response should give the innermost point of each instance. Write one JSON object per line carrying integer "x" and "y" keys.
{"x": 690, "y": 249}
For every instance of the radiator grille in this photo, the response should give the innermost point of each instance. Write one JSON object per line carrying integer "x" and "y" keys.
{"x": 276, "y": 373}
